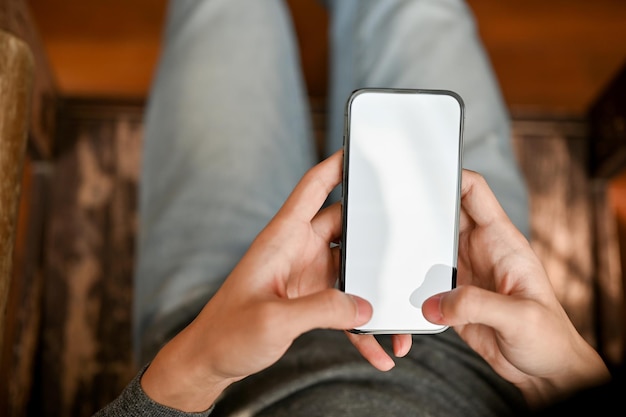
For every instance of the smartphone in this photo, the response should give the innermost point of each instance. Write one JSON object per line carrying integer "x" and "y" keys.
{"x": 401, "y": 195}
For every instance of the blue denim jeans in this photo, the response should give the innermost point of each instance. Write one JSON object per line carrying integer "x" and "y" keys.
{"x": 228, "y": 131}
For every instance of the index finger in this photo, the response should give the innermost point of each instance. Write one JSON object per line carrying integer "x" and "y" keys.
{"x": 309, "y": 195}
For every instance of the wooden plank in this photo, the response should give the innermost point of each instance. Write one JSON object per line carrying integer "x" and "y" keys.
{"x": 90, "y": 243}
{"x": 607, "y": 163}
{"x": 575, "y": 229}
{"x": 616, "y": 196}
{"x": 611, "y": 310}
{"x": 548, "y": 55}
{"x": 553, "y": 56}
{"x": 16, "y": 80}
{"x": 607, "y": 116}
{"x": 92, "y": 57}
{"x": 86, "y": 345}
{"x": 552, "y": 156}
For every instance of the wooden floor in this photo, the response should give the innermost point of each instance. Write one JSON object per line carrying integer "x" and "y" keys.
{"x": 553, "y": 59}
{"x": 85, "y": 354}
{"x": 549, "y": 55}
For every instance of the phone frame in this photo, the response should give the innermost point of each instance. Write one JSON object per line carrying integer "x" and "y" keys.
{"x": 346, "y": 185}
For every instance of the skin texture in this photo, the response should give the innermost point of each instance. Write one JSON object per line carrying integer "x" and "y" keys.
{"x": 504, "y": 306}
{"x": 289, "y": 271}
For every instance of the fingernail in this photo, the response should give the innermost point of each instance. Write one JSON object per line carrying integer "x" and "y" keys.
{"x": 433, "y": 311}
{"x": 388, "y": 366}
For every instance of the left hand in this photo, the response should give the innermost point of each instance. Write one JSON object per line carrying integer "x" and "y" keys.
{"x": 505, "y": 307}
{"x": 281, "y": 288}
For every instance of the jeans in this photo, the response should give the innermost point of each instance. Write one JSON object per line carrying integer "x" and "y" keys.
{"x": 228, "y": 131}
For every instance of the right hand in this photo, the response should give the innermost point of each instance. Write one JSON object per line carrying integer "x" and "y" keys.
{"x": 506, "y": 309}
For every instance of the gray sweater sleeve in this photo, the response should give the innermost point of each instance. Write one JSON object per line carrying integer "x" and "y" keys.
{"x": 134, "y": 402}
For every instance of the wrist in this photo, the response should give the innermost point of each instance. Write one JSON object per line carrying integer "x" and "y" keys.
{"x": 584, "y": 369}
{"x": 174, "y": 379}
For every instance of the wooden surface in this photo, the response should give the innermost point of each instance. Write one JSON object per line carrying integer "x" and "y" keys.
{"x": 610, "y": 296}
{"x": 86, "y": 346}
{"x": 551, "y": 58}
{"x": 90, "y": 242}
{"x": 575, "y": 229}
{"x": 607, "y": 116}
{"x": 607, "y": 147}
{"x": 617, "y": 209}
{"x": 549, "y": 55}
{"x": 16, "y": 79}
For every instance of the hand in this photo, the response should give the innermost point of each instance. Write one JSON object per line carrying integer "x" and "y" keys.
{"x": 281, "y": 288}
{"x": 505, "y": 307}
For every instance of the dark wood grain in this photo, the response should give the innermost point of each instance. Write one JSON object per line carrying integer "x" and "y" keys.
{"x": 86, "y": 344}
{"x": 607, "y": 116}
{"x": 548, "y": 55}
{"x": 574, "y": 227}
{"x": 552, "y": 156}
{"x": 607, "y": 165}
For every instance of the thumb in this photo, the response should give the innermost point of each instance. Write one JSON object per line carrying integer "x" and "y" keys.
{"x": 469, "y": 304}
{"x": 330, "y": 309}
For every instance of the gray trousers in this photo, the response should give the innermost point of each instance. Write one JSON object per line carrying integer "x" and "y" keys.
{"x": 228, "y": 131}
